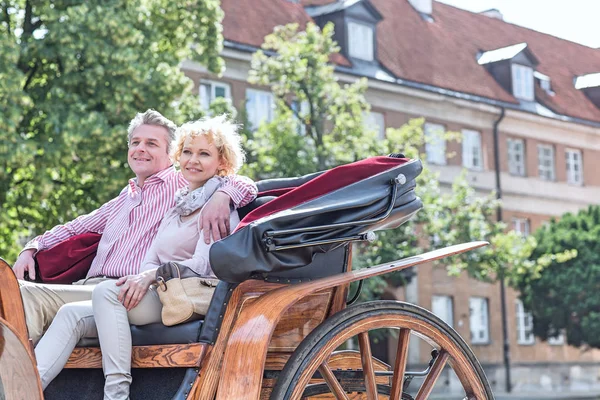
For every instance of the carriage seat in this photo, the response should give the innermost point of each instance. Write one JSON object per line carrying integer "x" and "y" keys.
{"x": 189, "y": 332}
{"x": 155, "y": 334}
{"x": 204, "y": 330}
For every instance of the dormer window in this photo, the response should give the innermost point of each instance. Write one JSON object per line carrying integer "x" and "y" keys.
{"x": 360, "y": 41}
{"x": 544, "y": 82}
{"x": 355, "y": 22}
{"x": 522, "y": 82}
{"x": 590, "y": 85}
{"x": 512, "y": 67}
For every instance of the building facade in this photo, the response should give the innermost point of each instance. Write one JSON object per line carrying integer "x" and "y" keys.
{"x": 470, "y": 73}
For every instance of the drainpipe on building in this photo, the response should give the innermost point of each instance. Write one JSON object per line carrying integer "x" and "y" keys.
{"x": 506, "y": 343}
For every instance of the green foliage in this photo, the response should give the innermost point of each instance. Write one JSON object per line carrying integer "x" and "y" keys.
{"x": 318, "y": 122}
{"x": 72, "y": 76}
{"x": 564, "y": 298}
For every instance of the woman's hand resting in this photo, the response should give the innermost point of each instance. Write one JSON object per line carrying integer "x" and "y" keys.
{"x": 133, "y": 289}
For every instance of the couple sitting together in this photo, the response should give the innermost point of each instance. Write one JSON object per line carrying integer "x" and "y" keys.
{"x": 161, "y": 216}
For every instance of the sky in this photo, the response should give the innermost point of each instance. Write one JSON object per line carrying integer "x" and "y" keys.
{"x": 574, "y": 20}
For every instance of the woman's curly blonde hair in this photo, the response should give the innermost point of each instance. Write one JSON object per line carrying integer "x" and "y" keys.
{"x": 222, "y": 133}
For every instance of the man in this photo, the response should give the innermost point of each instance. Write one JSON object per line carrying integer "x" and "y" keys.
{"x": 128, "y": 223}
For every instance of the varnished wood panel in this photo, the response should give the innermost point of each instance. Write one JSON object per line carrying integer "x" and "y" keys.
{"x": 19, "y": 379}
{"x": 205, "y": 386}
{"x": 241, "y": 373}
{"x": 299, "y": 321}
{"x": 11, "y": 304}
{"x": 171, "y": 355}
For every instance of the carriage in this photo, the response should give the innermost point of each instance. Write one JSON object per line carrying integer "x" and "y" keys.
{"x": 280, "y": 325}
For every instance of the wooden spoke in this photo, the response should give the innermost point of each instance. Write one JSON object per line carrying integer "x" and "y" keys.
{"x": 332, "y": 381}
{"x": 400, "y": 364}
{"x": 367, "y": 363}
{"x": 432, "y": 377}
{"x": 327, "y": 344}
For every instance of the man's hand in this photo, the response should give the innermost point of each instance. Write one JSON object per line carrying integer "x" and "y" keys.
{"x": 24, "y": 263}
{"x": 215, "y": 217}
{"x": 133, "y": 289}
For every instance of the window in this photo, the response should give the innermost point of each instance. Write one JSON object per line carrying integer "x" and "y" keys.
{"x": 442, "y": 307}
{"x": 545, "y": 84}
{"x": 521, "y": 226}
{"x": 574, "y": 167}
{"x": 360, "y": 41}
{"x": 480, "y": 330}
{"x": 435, "y": 144}
{"x": 259, "y": 106}
{"x": 557, "y": 340}
{"x": 546, "y": 161}
{"x": 471, "y": 150}
{"x": 375, "y": 121}
{"x": 516, "y": 157}
{"x": 524, "y": 325}
{"x": 300, "y": 108}
{"x": 522, "y": 78}
{"x": 210, "y": 90}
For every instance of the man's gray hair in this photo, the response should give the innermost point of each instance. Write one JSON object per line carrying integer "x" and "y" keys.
{"x": 153, "y": 117}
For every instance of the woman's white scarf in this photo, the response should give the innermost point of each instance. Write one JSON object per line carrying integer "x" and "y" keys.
{"x": 187, "y": 202}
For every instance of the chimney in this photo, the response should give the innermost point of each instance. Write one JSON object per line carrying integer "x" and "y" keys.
{"x": 424, "y": 7}
{"x": 493, "y": 13}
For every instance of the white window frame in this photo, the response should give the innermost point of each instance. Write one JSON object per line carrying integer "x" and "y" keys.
{"x": 522, "y": 82}
{"x": 443, "y": 307}
{"x": 574, "y": 166}
{"x": 479, "y": 321}
{"x": 521, "y": 226}
{"x": 360, "y": 41}
{"x": 524, "y": 325}
{"x": 258, "y": 115}
{"x": 516, "y": 157}
{"x": 302, "y": 109}
{"x": 375, "y": 121}
{"x": 207, "y": 90}
{"x": 557, "y": 340}
{"x": 546, "y": 163}
{"x": 472, "y": 153}
{"x": 435, "y": 145}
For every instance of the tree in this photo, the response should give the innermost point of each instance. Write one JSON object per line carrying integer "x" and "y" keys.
{"x": 564, "y": 298}
{"x": 72, "y": 75}
{"x": 319, "y": 124}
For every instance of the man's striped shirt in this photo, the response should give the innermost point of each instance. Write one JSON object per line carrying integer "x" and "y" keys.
{"x": 129, "y": 222}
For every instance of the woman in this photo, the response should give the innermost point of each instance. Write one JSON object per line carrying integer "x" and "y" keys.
{"x": 206, "y": 150}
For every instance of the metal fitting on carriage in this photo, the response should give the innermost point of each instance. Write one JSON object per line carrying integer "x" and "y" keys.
{"x": 369, "y": 236}
{"x": 269, "y": 243}
{"x": 400, "y": 179}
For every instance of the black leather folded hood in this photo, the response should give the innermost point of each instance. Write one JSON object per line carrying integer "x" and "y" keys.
{"x": 244, "y": 253}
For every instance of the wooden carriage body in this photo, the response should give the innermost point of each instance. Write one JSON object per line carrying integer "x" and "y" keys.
{"x": 260, "y": 316}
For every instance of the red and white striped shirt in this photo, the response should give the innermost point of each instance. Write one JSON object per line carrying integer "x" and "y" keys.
{"x": 129, "y": 222}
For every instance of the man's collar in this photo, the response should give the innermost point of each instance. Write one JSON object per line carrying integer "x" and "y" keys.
{"x": 160, "y": 176}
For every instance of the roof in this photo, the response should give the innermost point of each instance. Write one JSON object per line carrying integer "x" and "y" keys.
{"x": 248, "y": 22}
{"x": 442, "y": 53}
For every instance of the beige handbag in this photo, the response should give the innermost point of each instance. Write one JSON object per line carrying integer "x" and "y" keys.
{"x": 185, "y": 295}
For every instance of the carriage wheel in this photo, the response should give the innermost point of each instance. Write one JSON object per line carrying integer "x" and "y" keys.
{"x": 315, "y": 351}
